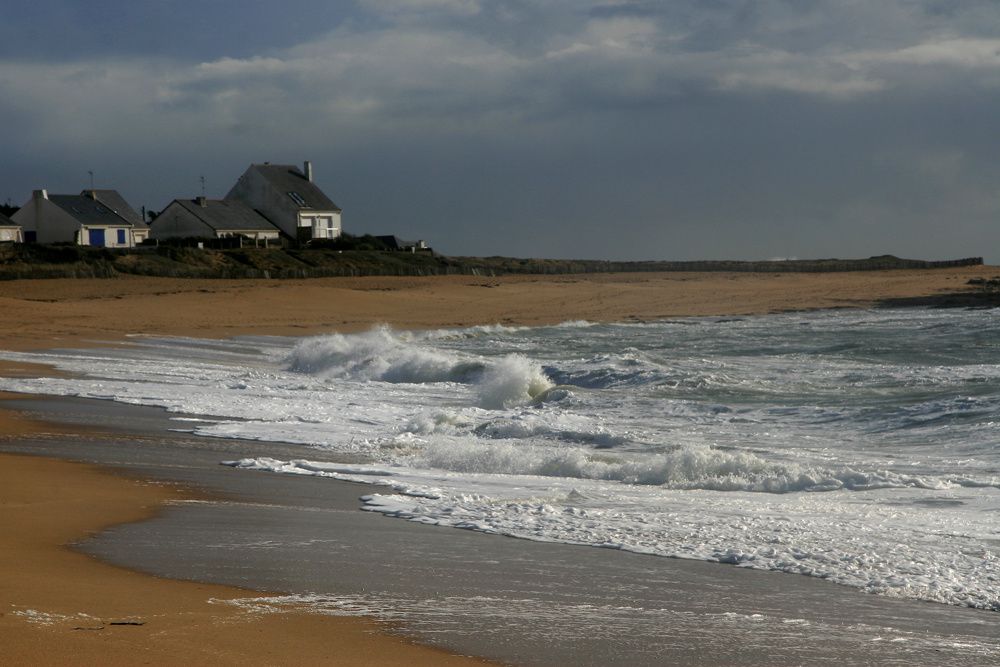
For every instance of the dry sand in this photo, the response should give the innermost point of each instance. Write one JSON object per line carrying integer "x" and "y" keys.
{"x": 61, "y": 607}
{"x": 48, "y": 313}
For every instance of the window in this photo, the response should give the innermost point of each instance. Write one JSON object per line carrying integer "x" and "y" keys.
{"x": 323, "y": 227}
{"x": 297, "y": 198}
{"x": 121, "y": 237}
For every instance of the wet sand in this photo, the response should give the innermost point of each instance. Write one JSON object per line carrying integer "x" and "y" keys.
{"x": 520, "y": 602}
{"x": 62, "y": 607}
{"x": 51, "y": 585}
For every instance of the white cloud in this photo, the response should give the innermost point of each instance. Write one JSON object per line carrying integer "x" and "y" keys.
{"x": 761, "y": 69}
{"x": 956, "y": 52}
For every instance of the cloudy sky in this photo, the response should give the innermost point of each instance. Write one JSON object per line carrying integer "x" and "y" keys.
{"x": 680, "y": 129}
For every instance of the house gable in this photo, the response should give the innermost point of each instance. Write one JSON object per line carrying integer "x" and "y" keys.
{"x": 73, "y": 219}
{"x": 46, "y": 222}
{"x": 289, "y": 198}
{"x": 211, "y": 218}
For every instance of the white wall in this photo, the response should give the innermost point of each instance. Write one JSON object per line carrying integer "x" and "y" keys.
{"x": 10, "y": 234}
{"x": 111, "y": 236}
{"x": 323, "y": 225}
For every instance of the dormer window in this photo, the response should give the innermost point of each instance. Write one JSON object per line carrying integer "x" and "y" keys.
{"x": 297, "y": 198}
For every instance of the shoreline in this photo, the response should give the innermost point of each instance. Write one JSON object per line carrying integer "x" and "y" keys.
{"x": 47, "y": 314}
{"x": 64, "y": 606}
{"x": 520, "y": 602}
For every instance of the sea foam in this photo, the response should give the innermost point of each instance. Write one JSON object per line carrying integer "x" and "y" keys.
{"x": 380, "y": 354}
{"x": 854, "y": 446}
{"x": 512, "y": 380}
{"x": 391, "y": 356}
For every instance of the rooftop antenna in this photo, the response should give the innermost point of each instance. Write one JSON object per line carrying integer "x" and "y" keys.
{"x": 202, "y": 186}
{"x": 91, "y": 179}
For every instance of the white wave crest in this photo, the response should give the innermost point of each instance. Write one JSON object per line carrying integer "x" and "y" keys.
{"x": 380, "y": 354}
{"x": 399, "y": 357}
{"x": 687, "y": 468}
{"x": 512, "y": 380}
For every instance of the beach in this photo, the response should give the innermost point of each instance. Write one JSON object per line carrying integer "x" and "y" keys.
{"x": 63, "y": 590}
{"x": 63, "y": 607}
{"x": 51, "y": 313}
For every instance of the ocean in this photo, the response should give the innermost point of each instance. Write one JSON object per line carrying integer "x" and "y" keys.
{"x": 858, "y": 447}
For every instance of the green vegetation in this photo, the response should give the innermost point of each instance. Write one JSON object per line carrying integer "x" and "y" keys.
{"x": 359, "y": 256}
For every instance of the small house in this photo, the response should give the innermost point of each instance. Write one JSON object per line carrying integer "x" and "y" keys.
{"x": 213, "y": 219}
{"x": 113, "y": 200}
{"x": 10, "y": 231}
{"x": 288, "y": 197}
{"x": 83, "y": 219}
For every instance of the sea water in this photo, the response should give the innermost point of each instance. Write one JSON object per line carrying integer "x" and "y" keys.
{"x": 860, "y": 447}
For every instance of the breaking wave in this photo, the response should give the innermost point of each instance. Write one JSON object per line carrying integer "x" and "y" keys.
{"x": 390, "y": 356}
{"x": 512, "y": 380}
{"x": 694, "y": 467}
{"x": 380, "y": 354}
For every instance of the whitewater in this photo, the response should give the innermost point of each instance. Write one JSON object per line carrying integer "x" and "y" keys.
{"x": 859, "y": 447}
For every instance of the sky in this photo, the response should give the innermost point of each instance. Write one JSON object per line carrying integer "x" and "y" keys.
{"x": 620, "y": 129}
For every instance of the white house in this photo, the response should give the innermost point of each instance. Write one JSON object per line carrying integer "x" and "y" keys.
{"x": 111, "y": 199}
{"x": 212, "y": 218}
{"x": 94, "y": 218}
{"x": 10, "y": 231}
{"x": 288, "y": 197}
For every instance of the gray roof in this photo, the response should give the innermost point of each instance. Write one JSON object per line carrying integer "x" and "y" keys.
{"x": 289, "y": 179}
{"x": 116, "y": 203}
{"x": 227, "y": 215}
{"x": 7, "y": 222}
{"x": 88, "y": 211}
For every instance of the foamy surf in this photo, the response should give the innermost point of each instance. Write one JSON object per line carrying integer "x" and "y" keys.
{"x": 398, "y": 357}
{"x": 852, "y": 446}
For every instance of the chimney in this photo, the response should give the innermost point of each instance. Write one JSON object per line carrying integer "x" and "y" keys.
{"x": 40, "y": 194}
{"x": 92, "y": 194}
{"x": 308, "y": 170}
{"x": 202, "y": 202}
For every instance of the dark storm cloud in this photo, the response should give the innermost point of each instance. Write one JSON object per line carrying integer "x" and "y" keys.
{"x": 717, "y": 128}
